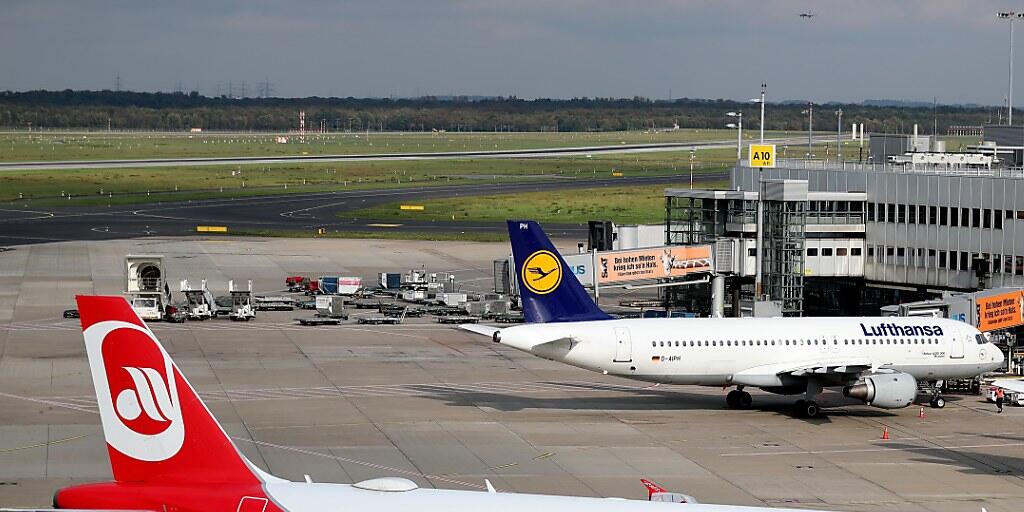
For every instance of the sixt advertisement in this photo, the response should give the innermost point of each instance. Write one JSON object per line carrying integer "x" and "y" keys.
{"x": 653, "y": 263}
{"x": 1000, "y": 311}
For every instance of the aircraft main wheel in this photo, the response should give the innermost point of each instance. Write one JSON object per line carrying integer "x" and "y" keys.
{"x": 732, "y": 399}
{"x": 744, "y": 400}
{"x": 938, "y": 402}
{"x": 798, "y": 408}
{"x": 811, "y": 409}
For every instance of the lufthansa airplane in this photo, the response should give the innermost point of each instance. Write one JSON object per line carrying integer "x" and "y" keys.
{"x": 876, "y": 360}
{"x": 168, "y": 452}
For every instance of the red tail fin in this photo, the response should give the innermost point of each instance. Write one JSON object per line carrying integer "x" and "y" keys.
{"x": 156, "y": 426}
{"x": 652, "y": 488}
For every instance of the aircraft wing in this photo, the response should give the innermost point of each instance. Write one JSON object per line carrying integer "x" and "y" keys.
{"x": 771, "y": 374}
{"x": 1017, "y": 386}
{"x": 483, "y": 330}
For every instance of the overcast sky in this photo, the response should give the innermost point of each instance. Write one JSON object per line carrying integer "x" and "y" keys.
{"x": 849, "y": 51}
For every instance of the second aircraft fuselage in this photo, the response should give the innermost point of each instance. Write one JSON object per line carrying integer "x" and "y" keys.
{"x": 713, "y": 351}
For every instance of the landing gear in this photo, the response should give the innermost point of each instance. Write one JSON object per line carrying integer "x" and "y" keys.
{"x": 806, "y": 409}
{"x": 738, "y": 399}
{"x": 937, "y": 402}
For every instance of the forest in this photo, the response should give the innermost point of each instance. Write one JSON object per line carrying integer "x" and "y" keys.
{"x": 126, "y": 110}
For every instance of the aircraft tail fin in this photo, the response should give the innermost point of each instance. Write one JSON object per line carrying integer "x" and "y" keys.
{"x": 156, "y": 427}
{"x": 548, "y": 287}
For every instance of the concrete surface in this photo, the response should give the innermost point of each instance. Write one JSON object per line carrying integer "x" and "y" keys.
{"x": 449, "y": 409}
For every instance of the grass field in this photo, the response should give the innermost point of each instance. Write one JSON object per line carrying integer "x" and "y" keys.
{"x": 624, "y": 205}
{"x": 47, "y": 146}
{"x": 134, "y": 186}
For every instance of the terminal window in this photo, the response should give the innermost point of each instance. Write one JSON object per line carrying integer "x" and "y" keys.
{"x": 965, "y": 217}
{"x": 932, "y": 214}
{"x": 856, "y": 251}
{"x": 944, "y": 216}
{"x": 976, "y": 218}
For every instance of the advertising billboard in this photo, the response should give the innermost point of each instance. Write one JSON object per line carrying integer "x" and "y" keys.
{"x": 1000, "y": 311}
{"x": 653, "y": 263}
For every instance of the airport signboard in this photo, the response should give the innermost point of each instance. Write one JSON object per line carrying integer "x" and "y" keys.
{"x": 762, "y": 155}
{"x": 1000, "y": 311}
{"x": 652, "y": 263}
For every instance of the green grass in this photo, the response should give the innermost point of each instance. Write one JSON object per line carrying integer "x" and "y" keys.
{"x": 381, "y": 234}
{"x": 48, "y": 146}
{"x": 624, "y": 205}
{"x": 130, "y": 186}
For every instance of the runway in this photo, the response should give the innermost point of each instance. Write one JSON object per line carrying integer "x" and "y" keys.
{"x": 442, "y": 155}
{"x": 300, "y": 212}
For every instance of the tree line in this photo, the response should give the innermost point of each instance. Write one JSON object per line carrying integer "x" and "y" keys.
{"x": 127, "y": 110}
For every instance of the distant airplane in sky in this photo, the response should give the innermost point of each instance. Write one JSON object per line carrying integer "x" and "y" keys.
{"x": 807, "y": 15}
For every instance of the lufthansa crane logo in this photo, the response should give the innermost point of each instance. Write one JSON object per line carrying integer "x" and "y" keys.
{"x": 542, "y": 272}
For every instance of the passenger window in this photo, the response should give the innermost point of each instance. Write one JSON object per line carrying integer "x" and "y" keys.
{"x": 654, "y": 343}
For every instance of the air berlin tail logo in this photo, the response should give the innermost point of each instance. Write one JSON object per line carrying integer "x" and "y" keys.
{"x": 149, "y": 398}
{"x": 136, "y": 391}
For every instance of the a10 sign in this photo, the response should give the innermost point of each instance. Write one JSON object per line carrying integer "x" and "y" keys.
{"x": 762, "y": 155}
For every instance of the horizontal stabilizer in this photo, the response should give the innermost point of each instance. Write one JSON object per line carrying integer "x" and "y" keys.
{"x": 483, "y": 330}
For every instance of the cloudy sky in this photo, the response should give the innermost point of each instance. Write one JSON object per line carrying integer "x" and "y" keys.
{"x": 851, "y": 50}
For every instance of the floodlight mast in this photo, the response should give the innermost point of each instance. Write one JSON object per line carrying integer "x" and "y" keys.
{"x": 1010, "y": 16}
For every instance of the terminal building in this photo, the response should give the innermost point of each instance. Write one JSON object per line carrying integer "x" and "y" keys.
{"x": 851, "y": 238}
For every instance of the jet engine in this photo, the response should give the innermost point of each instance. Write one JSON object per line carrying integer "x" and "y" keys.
{"x": 885, "y": 390}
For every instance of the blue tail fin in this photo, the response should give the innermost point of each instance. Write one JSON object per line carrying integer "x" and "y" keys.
{"x": 549, "y": 289}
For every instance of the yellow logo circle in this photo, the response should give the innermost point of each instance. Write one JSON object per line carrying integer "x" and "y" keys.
{"x": 542, "y": 272}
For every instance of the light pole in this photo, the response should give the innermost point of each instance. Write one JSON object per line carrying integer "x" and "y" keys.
{"x": 1010, "y": 16}
{"x": 761, "y": 101}
{"x": 810, "y": 126}
{"x": 839, "y": 136}
{"x": 739, "y": 134}
{"x": 691, "y": 168}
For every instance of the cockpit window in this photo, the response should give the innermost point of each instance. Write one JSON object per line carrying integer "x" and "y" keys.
{"x": 980, "y": 338}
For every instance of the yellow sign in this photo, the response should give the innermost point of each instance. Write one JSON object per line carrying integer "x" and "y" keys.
{"x": 542, "y": 272}
{"x": 656, "y": 263}
{"x": 416, "y": 207}
{"x": 616, "y": 173}
{"x": 1000, "y": 311}
{"x": 762, "y": 155}
{"x": 211, "y": 229}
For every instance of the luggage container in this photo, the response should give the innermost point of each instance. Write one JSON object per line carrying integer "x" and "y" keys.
{"x": 331, "y": 306}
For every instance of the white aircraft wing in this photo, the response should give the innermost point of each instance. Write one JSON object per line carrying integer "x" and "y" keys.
{"x": 484, "y": 330}
{"x": 1017, "y": 386}
{"x": 770, "y": 374}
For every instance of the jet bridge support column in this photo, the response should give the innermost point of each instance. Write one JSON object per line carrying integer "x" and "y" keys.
{"x": 717, "y": 296}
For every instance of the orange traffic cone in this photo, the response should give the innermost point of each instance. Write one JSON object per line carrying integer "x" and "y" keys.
{"x": 885, "y": 434}
{"x": 920, "y": 414}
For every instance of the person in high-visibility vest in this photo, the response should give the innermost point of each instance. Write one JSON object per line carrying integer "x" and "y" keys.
{"x": 999, "y": 399}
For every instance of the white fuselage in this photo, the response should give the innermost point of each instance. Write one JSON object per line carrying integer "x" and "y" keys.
{"x": 303, "y": 497}
{"x": 724, "y": 351}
